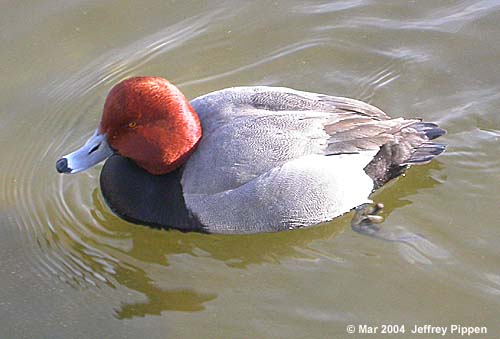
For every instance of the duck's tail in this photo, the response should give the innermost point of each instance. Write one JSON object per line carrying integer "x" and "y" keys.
{"x": 413, "y": 147}
{"x": 427, "y": 150}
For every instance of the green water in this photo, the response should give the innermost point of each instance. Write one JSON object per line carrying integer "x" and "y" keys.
{"x": 69, "y": 268}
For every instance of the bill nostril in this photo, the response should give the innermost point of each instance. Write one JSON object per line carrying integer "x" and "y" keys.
{"x": 62, "y": 166}
{"x": 95, "y": 148}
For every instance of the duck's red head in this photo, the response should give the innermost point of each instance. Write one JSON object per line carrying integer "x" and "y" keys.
{"x": 148, "y": 120}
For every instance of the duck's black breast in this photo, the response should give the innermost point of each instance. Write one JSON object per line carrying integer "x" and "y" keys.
{"x": 142, "y": 198}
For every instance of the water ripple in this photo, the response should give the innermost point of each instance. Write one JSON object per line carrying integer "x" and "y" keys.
{"x": 273, "y": 55}
{"x": 330, "y": 6}
{"x": 450, "y": 19}
{"x": 120, "y": 63}
{"x": 367, "y": 86}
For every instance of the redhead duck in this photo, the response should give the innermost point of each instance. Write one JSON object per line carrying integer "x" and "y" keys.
{"x": 245, "y": 159}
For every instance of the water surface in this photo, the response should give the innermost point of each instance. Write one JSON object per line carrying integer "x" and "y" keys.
{"x": 70, "y": 268}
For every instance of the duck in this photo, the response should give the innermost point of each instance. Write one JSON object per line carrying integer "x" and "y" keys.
{"x": 245, "y": 159}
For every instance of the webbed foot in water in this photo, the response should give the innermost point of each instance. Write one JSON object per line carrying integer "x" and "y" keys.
{"x": 366, "y": 218}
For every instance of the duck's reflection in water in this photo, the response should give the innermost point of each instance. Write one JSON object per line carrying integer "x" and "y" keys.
{"x": 158, "y": 299}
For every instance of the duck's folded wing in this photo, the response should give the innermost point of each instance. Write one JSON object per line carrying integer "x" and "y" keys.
{"x": 250, "y": 130}
{"x": 353, "y": 126}
{"x": 354, "y": 134}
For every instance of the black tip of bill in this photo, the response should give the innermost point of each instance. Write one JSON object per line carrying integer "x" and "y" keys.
{"x": 62, "y": 166}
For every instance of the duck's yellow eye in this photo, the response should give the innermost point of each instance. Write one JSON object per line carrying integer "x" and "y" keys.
{"x": 132, "y": 124}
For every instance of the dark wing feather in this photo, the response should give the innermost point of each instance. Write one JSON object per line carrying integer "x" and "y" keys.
{"x": 354, "y": 135}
